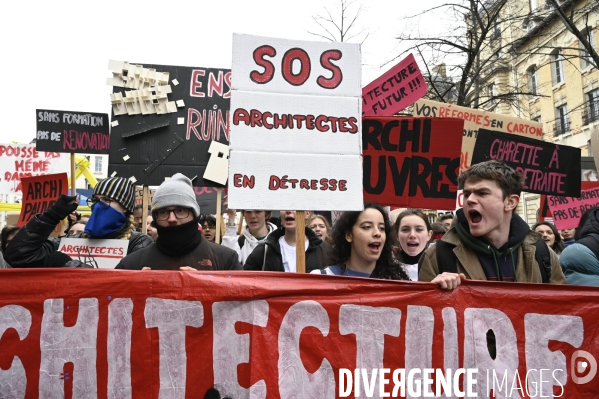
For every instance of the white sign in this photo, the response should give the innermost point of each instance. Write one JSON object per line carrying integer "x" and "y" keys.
{"x": 104, "y": 254}
{"x": 23, "y": 160}
{"x": 295, "y": 134}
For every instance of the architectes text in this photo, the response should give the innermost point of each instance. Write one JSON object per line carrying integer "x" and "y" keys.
{"x": 431, "y": 383}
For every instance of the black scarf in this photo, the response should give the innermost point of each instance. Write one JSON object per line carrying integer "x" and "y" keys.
{"x": 409, "y": 260}
{"x": 178, "y": 240}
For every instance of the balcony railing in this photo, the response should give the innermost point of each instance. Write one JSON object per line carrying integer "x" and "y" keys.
{"x": 591, "y": 113}
{"x": 561, "y": 126}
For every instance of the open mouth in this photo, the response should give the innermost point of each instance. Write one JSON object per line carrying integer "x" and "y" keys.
{"x": 374, "y": 246}
{"x": 289, "y": 219}
{"x": 475, "y": 216}
{"x": 413, "y": 245}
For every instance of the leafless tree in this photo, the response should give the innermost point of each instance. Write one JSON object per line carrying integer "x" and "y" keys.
{"x": 340, "y": 23}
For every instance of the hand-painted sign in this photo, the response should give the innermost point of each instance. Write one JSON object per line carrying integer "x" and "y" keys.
{"x": 104, "y": 254}
{"x": 395, "y": 90}
{"x": 23, "y": 160}
{"x": 153, "y": 145}
{"x": 295, "y": 132}
{"x": 411, "y": 162}
{"x": 547, "y": 168}
{"x": 474, "y": 120}
{"x": 119, "y": 334}
{"x": 567, "y": 211}
{"x": 69, "y": 131}
{"x": 39, "y": 193}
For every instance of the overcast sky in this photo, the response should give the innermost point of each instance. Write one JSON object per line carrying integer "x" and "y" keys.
{"x": 56, "y": 52}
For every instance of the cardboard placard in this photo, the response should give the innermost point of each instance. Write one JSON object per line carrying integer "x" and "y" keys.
{"x": 411, "y": 162}
{"x": 547, "y": 168}
{"x": 70, "y": 131}
{"x": 103, "y": 254}
{"x": 111, "y": 333}
{"x": 152, "y": 146}
{"x": 394, "y": 90}
{"x": 39, "y": 193}
{"x": 295, "y": 131}
{"x": 23, "y": 160}
{"x": 567, "y": 211}
{"x": 474, "y": 120}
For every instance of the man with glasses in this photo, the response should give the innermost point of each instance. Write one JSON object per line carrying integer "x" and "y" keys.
{"x": 208, "y": 223}
{"x": 179, "y": 245}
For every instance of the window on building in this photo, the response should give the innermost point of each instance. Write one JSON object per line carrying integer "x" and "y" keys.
{"x": 533, "y": 5}
{"x": 592, "y": 110}
{"x": 536, "y": 119}
{"x": 496, "y": 30}
{"x": 533, "y": 80}
{"x": 557, "y": 66}
{"x": 562, "y": 122}
{"x": 98, "y": 165}
{"x": 492, "y": 93}
{"x": 585, "y": 58}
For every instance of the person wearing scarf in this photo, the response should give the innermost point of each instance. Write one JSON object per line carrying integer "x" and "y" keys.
{"x": 490, "y": 241}
{"x": 179, "y": 245}
{"x": 112, "y": 218}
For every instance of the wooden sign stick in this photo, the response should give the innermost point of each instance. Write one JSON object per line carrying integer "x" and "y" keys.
{"x": 219, "y": 216}
{"x": 144, "y": 210}
{"x": 300, "y": 241}
{"x": 73, "y": 177}
{"x": 240, "y": 226}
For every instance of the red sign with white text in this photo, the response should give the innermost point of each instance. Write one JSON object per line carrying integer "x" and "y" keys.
{"x": 395, "y": 90}
{"x": 40, "y": 193}
{"x": 110, "y": 333}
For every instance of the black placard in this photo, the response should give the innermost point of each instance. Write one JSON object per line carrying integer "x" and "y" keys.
{"x": 72, "y": 131}
{"x": 154, "y": 146}
{"x": 548, "y": 168}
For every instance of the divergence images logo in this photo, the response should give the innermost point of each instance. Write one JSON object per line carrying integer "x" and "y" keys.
{"x": 581, "y": 362}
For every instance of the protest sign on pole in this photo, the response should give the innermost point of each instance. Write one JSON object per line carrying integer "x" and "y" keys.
{"x": 100, "y": 253}
{"x": 39, "y": 193}
{"x": 411, "y": 162}
{"x": 547, "y": 168}
{"x": 71, "y": 131}
{"x": 23, "y": 160}
{"x": 295, "y": 125}
{"x": 164, "y": 119}
{"x": 567, "y": 211}
{"x": 475, "y": 119}
{"x": 271, "y": 335}
{"x": 394, "y": 90}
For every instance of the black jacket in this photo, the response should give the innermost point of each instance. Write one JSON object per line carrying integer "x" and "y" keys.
{"x": 317, "y": 254}
{"x": 31, "y": 246}
{"x": 206, "y": 256}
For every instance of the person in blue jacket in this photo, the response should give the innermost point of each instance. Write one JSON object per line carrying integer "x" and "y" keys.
{"x": 580, "y": 261}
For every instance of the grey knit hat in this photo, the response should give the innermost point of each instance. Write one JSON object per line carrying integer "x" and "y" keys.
{"x": 176, "y": 191}
{"x": 120, "y": 189}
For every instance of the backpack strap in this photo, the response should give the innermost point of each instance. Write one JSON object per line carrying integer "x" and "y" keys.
{"x": 241, "y": 241}
{"x": 446, "y": 259}
{"x": 264, "y": 261}
{"x": 543, "y": 259}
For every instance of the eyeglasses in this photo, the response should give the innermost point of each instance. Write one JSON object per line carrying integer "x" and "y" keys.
{"x": 93, "y": 201}
{"x": 208, "y": 227}
{"x": 164, "y": 214}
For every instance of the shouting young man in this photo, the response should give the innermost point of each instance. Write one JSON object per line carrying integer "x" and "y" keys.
{"x": 489, "y": 241}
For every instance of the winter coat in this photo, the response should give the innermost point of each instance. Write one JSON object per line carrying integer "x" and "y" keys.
{"x": 580, "y": 261}
{"x": 206, "y": 256}
{"x": 231, "y": 240}
{"x": 317, "y": 253}
{"x": 527, "y": 269}
{"x": 31, "y": 246}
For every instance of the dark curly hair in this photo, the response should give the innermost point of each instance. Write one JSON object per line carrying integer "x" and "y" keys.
{"x": 558, "y": 244}
{"x": 386, "y": 266}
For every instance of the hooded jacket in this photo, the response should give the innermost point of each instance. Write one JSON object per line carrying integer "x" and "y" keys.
{"x": 317, "y": 253}
{"x": 580, "y": 261}
{"x": 31, "y": 246}
{"x": 231, "y": 240}
{"x": 522, "y": 240}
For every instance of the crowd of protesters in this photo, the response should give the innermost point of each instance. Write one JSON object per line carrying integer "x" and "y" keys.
{"x": 485, "y": 240}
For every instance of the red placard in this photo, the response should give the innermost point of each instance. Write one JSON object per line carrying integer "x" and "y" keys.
{"x": 545, "y": 212}
{"x": 411, "y": 162}
{"x": 396, "y": 89}
{"x": 157, "y": 334}
{"x": 39, "y": 193}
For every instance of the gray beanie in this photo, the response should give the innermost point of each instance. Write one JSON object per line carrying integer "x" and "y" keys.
{"x": 176, "y": 191}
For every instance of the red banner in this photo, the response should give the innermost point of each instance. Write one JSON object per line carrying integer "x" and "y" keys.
{"x": 119, "y": 334}
{"x": 411, "y": 162}
{"x": 39, "y": 193}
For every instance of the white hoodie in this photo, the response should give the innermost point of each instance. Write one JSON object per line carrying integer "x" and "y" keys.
{"x": 231, "y": 240}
